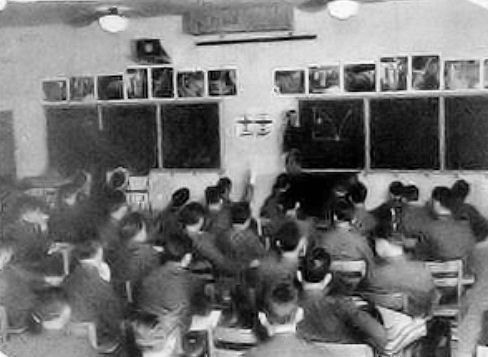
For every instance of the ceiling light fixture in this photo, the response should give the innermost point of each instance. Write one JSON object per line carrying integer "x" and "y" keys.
{"x": 113, "y": 22}
{"x": 3, "y": 3}
{"x": 343, "y": 9}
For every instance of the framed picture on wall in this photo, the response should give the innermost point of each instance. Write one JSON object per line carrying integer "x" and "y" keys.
{"x": 289, "y": 81}
{"x": 82, "y": 88}
{"x": 55, "y": 90}
{"x": 323, "y": 79}
{"x": 425, "y": 72}
{"x": 360, "y": 77}
{"x": 136, "y": 83}
{"x": 393, "y": 73}
{"x": 110, "y": 87}
{"x": 462, "y": 74}
{"x": 162, "y": 82}
{"x": 191, "y": 84}
{"x": 222, "y": 82}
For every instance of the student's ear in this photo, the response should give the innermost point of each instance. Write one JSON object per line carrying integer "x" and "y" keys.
{"x": 327, "y": 279}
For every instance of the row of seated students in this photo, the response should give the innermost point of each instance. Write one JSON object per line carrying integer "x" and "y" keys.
{"x": 135, "y": 282}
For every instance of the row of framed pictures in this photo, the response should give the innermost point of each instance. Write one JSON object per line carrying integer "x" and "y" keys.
{"x": 142, "y": 83}
{"x": 389, "y": 74}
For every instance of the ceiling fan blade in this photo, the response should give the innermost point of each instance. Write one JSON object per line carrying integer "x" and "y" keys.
{"x": 313, "y": 5}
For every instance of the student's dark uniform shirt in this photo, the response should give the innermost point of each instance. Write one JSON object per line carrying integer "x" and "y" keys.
{"x": 401, "y": 275}
{"x": 336, "y": 319}
{"x": 478, "y": 223}
{"x": 217, "y": 222}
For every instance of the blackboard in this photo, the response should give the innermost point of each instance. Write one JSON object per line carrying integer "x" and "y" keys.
{"x": 131, "y": 131}
{"x": 467, "y": 133}
{"x": 405, "y": 133}
{"x": 191, "y": 136}
{"x": 73, "y": 137}
{"x": 330, "y": 134}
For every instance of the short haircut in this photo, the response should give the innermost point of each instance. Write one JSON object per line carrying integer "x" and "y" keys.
{"x": 281, "y": 182}
{"x": 87, "y": 249}
{"x": 240, "y": 212}
{"x": 212, "y": 195}
{"x": 51, "y": 303}
{"x": 224, "y": 184}
{"x": 411, "y": 193}
{"x": 316, "y": 265}
{"x": 358, "y": 193}
{"x": 176, "y": 246}
{"x": 343, "y": 209}
{"x": 443, "y": 195}
{"x": 27, "y": 203}
{"x": 131, "y": 225}
{"x": 460, "y": 189}
{"x": 287, "y": 236}
{"x": 191, "y": 213}
{"x": 282, "y": 303}
{"x": 396, "y": 188}
{"x": 180, "y": 197}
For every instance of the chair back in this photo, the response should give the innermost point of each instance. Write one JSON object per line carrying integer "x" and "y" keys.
{"x": 349, "y": 268}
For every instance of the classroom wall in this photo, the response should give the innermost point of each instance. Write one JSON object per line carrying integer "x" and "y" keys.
{"x": 451, "y": 28}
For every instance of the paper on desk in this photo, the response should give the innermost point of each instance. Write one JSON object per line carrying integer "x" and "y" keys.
{"x": 210, "y": 321}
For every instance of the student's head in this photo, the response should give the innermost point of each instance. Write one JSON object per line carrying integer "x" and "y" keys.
{"x": 293, "y": 163}
{"x": 213, "y": 199}
{"x": 53, "y": 311}
{"x": 180, "y": 197}
{"x": 343, "y": 210}
{"x": 117, "y": 205}
{"x": 68, "y": 195}
{"x": 88, "y": 250}
{"x": 460, "y": 190}
{"x": 192, "y": 216}
{"x": 133, "y": 228}
{"x": 156, "y": 336}
{"x": 411, "y": 193}
{"x": 441, "y": 200}
{"x": 315, "y": 268}
{"x": 388, "y": 248}
{"x": 281, "y": 308}
{"x": 178, "y": 248}
{"x": 358, "y": 193}
{"x": 32, "y": 210}
{"x": 288, "y": 239}
{"x": 282, "y": 183}
{"x": 225, "y": 187}
{"x": 241, "y": 214}
{"x": 396, "y": 190}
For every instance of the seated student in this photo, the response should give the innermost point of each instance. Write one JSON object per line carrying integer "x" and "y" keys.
{"x": 218, "y": 218}
{"x": 133, "y": 258}
{"x": 398, "y": 274}
{"x": 329, "y": 317}
{"x": 192, "y": 217}
{"x": 362, "y": 220}
{"x": 167, "y": 222}
{"x": 240, "y": 243}
{"x": 29, "y": 230}
{"x": 280, "y": 321}
{"x": 117, "y": 209}
{"x": 281, "y": 263}
{"x": 224, "y": 185}
{"x": 57, "y": 336}
{"x": 16, "y": 295}
{"x": 465, "y": 211}
{"x": 343, "y": 241}
{"x": 155, "y": 336}
{"x": 444, "y": 237}
{"x": 169, "y": 289}
{"x": 273, "y": 204}
{"x": 388, "y": 212}
{"x": 415, "y": 215}
{"x": 91, "y": 295}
